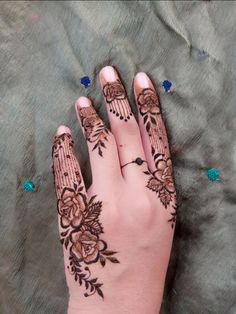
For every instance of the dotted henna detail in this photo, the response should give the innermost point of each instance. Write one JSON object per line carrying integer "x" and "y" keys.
{"x": 117, "y": 101}
{"x": 63, "y": 146}
{"x": 161, "y": 180}
{"x": 94, "y": 128}
{"x": 79, "y": 219}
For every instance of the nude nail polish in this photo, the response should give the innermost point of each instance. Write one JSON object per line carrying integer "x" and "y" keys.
{"x": 83, "y": 102}
{"x": 142, "y": 80}
{"x": 109, "y": 74}
{"x": 62, "y": 129}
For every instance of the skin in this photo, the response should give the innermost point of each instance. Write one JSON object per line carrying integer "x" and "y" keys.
{"x": 136, "y": 223}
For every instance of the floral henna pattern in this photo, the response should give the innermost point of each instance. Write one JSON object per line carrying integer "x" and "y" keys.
{"x": 116, "y": 99}
{"x": 114, "y": 91}
{"x": 95, "y": 131}
{"x": 70, "y": 208}
{"x": 161, "y": 180}
{"x": 149, "y": 108}
{"x": 87, "y": 246}
{"x": 79, "y": 219}
{"x": 148, "y": 102}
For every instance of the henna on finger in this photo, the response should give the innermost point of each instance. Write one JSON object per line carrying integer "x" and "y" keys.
{"x": 116, "y": 100}
{"x": 64, "y": 160}
{"x": 94, "y": 128}
{"x": 160, "y": 180}
{"x": 80, "y": 223}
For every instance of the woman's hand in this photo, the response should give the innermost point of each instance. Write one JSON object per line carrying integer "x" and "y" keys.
{"x": 116, "y": 236}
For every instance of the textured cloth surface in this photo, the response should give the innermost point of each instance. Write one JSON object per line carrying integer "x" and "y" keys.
{"x": 45, "y": 49}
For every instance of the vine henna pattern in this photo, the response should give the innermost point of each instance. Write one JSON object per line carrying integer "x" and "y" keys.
{"x": 94, "y": 128}
{"x": 161, "y": 180}
{"x": 116, "y": 99}
{"x": 79, "y": 218}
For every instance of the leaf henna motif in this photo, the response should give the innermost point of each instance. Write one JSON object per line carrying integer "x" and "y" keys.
{"x": 160, "y": 180}
{"x": 82, "y": 229}
{"x": 94, "y": 128}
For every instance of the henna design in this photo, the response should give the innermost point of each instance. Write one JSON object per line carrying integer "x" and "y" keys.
{"x": 63, "y": 150}
{"x": 71, "y": 207}
{"x": 148, "y": 102}
{"x": 79, "y": 218}
{"x": 95, "y": 131}
{"x": 173, "y": 218}
{"x": 149, "y": 109}
{"x": 161, "y": 180}
{"x": 116, "y": 99}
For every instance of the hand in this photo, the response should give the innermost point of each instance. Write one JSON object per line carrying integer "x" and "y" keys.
{"x": 116, "y": 236}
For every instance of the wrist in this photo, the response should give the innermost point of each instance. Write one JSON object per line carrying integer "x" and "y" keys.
{"x": 113, "y": 308}
{"x": 133, "y": 288}
{"x": 118, "y": 302}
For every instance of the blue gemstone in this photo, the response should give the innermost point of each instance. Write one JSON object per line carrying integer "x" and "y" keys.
{"x": 167, "y": 85}
{"x": 85, "y": 81}
{"x": 29, "y": 186}
{"x": 213, "y": 174}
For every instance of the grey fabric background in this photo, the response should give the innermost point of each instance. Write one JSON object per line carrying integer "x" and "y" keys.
{"x": 45, "y": 48}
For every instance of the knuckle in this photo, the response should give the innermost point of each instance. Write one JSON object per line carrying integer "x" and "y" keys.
{"x": 133, "y": 129}
{"x": 111, "y": 138}
{"x": 145, "y": 204}
{"x": 144, "y": 212}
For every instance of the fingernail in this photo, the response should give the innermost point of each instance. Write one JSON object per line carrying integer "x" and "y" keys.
{"x": 62, "y": 129}
{"x": 142, "y": 80}
{"x": 108, "y": 73}
{"x": 83, "y": 102}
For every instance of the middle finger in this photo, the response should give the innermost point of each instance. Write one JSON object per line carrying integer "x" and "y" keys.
{"x": 122, "y": 121}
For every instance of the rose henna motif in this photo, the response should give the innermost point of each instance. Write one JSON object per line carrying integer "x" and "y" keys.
{"x": 116, "y": 99}
{"x": 70, "y": 208}
{"x": 113, "y": 91}
{"x": 161, "y": 180}
{"x": 79, "y": 220}
{"x": 95, "y": 131}
{"x": 148, "y": 102}
{"x": 86, "y": 246}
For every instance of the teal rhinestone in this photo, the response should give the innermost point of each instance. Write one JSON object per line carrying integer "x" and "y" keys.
{"x": 213, "y": 174}
{"x": 29, "y": 186}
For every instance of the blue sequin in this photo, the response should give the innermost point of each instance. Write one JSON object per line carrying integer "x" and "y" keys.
{"x": 213, "y": 174}
{"x": 29, "y": 186}
{"x": 167, "y": 85}
{"x": 85, "y": 81}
